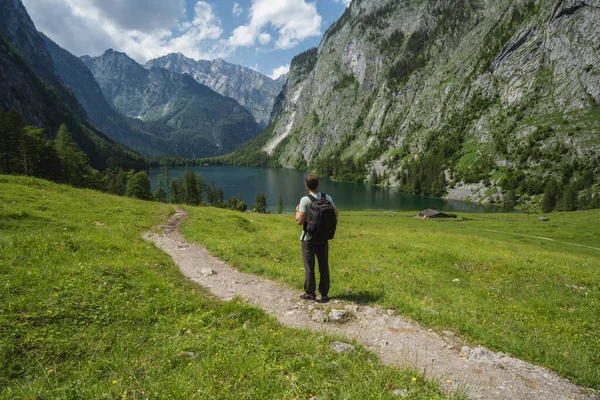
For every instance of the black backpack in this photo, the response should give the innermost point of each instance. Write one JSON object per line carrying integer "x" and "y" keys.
{"x": 321, "y": 221}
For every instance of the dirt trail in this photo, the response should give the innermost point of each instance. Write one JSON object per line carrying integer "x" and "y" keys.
{"x": 397, "y": 341}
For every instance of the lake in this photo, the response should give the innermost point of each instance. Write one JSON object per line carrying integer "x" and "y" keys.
{"x": 246, "y": 182}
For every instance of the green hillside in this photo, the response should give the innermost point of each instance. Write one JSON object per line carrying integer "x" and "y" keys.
{"x": 509, "y": 282}
{"x": 89, "y": 310}
{"x": 491, "y": 101}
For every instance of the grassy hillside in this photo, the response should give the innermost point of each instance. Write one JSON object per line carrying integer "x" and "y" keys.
{"x": 90, "y": 310}
{"x": 494, "y": 279}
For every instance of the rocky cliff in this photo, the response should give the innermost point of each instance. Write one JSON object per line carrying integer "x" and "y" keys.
{"x": 148, "y": 138}
{"x": 253, "y": 90}
{"x": 30, "y": 85}
{"x": 200, "y": 121}
{"x": 485, "y": 98}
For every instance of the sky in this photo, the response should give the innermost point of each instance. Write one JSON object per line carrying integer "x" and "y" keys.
{"x": 260, "y": 34}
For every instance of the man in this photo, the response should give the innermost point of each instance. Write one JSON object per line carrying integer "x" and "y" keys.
{"x": 312, "y": 248}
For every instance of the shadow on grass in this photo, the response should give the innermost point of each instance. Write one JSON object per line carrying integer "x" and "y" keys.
{"x": 361, "y": 298}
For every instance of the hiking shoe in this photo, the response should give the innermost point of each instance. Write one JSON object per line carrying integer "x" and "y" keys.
{"x": 310, "y": 297}
{"x": 324, "y": 299}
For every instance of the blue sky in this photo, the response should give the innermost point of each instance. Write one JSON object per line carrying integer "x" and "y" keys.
{"x": 260, "y": 34}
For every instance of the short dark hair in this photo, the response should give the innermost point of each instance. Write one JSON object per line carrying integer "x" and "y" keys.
{"x": 312, "y": 181}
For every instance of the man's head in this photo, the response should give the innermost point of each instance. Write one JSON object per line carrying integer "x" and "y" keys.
{"x": 312, "y": 182}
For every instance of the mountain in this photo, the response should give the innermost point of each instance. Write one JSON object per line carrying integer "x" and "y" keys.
{"x": 281, "y": 80}
{"x": 30, "y": 85}
{"x": 251, "y": 89}
{"x": 480, "y": 99}
{"x": 148, "y": 138}
{"x": 202, "y": 122}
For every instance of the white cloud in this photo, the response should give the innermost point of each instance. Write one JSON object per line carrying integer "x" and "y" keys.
{"x": 281, "y": 70}
{"x": 142, "y": 15}
{"x": 254, "y": 67}
{"x": 237, "y": 9}
{"x": 264, "y": 38}
{"x": 144, "y": 29}
{"x": 294, "y": 21}
{"x": 344, "y": 2}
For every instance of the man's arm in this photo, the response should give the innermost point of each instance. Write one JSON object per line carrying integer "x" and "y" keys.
{"x": 300, "y": 217}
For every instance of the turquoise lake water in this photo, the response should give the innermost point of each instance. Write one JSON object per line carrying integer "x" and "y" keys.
{"x": 246, "y": 182}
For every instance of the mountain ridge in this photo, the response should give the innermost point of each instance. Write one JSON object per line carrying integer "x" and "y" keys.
{"x": 434, "y": 98}
{"x": 201, "y": 122}
{"x": 31, "y": 86}
{"x": 253, "y": 90}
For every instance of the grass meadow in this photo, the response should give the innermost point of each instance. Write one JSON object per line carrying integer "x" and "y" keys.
{"x": 90, "y": 310}
{"x": 509, "y": 282}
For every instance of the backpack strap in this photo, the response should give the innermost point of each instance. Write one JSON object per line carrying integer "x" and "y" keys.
{"x": 313, "y": 199}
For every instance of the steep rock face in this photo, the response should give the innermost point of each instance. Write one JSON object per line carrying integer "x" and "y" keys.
{"x": 425, "y": 94}
{"x": 251, "y": 89}
{"x": 29, "y": 84}
{"x": 19, "y": 30}
{"x": 121, "y": 79}
{"x": 146, "y": 138}
{"x": 202, "y": 123}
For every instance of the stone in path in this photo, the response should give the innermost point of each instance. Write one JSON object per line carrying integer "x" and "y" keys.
{"x": 396, "y": 340}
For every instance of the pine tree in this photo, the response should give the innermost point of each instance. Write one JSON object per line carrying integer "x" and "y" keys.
{"x": 201, "y": 187}
{"x": 176, "y": 190}
{"x": 279, "y": 205}
{"x": 220, "y": 198}
{"x": 510, "y": 200}
{"x": 12, "y": 127}
{"x": 76, "y": 166}
{"x": 568, "y": 201}
{"x": 211, "y": 194}
{"x": 260, "y": 203}
{"x": 236, "y": 204}
{"x": 549, "y": 197}
{"x": 161, "y": 193}
{"x": 191, "y": 194}
{"x": 119, "y": 185}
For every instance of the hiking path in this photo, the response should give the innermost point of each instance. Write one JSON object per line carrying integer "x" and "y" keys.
{"x": 396, "y": 340}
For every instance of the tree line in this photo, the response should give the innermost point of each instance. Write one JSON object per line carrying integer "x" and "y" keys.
{"x": 25, "y": 150}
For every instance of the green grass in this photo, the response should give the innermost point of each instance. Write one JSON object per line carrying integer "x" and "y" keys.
{"x": 90, "y": 310}
{"x": 536, "y": 299}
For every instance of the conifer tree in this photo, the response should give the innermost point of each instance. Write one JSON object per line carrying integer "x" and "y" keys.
{"x": 220, "y": 198}
{"x": 176, "y": 190}
{"x": 120, "y": 183}
{"x": 568, "y": 201}
{"x": 75, "y": 164}
{"x": 191, "y": 193}
{"x": 211, "y": 194}
{"x": 510, "y": 200}
{"x": 279, "y": 204}
{"x": 549, "y": 197}
{"x": 11, "y": 133}
{"x": 161, "y": 193}
{"x": 260, "y": 203}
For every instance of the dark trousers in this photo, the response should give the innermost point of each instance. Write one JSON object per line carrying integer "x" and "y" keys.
{"x": 310, "y": 249}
